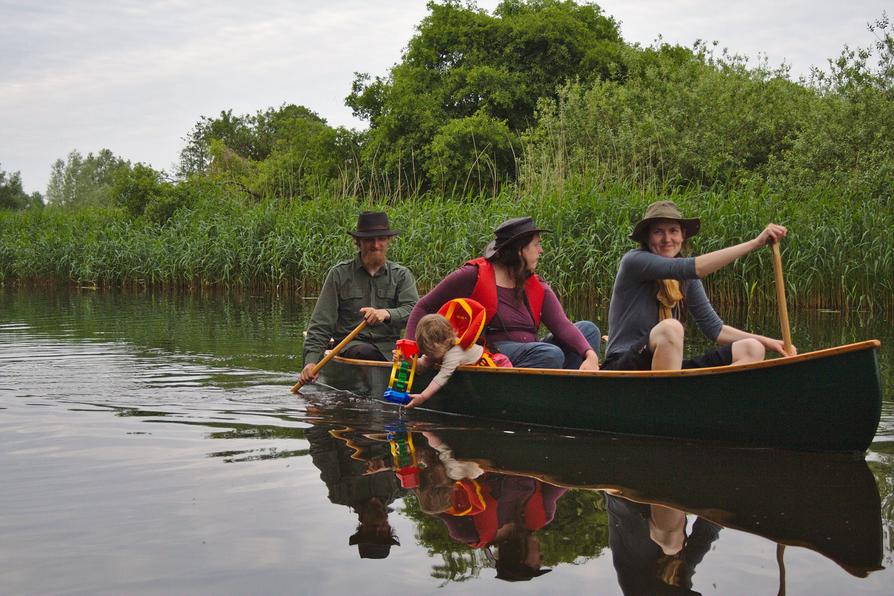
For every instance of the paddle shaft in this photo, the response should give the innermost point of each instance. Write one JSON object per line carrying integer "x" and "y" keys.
{"x": 780, "y": 299}
{"x": 332, "y": 353}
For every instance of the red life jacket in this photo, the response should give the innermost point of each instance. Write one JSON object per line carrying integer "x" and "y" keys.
{"x": 485, "y": 291}
{"x": 473, "y": 499}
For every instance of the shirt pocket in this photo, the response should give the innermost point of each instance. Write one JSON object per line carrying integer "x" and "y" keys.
{"x": 350, "y": 301}
{"x": 385, "y": 297}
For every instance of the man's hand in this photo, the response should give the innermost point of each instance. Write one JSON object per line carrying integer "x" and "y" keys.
{"x": 375, "y": 316}
{"x": 307, "y": 375}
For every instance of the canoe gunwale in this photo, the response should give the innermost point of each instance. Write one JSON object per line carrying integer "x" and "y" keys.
{"x": 693, "y": 372}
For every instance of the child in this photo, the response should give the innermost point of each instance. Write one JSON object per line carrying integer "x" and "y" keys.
{"x": 437, "y": 342}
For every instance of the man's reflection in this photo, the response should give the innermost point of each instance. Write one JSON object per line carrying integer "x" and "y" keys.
{"x": 651, "y": 550}
{"x": 349, "y": 464}
{"x": 487, "y": 510}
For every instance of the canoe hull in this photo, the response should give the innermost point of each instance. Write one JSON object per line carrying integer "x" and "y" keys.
{"x": 828, "y": 400}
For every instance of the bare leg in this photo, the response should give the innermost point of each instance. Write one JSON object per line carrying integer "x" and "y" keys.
{"x": 666, "y": 343}
{"x": 748, "y": 350}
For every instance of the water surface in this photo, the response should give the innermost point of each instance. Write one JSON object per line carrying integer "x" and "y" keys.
{"x": 148, "y": 445}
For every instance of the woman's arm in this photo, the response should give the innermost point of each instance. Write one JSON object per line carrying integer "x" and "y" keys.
{"x": 730, "y": 334}
{"x": 712, "y": 261}
{"x": 555, "y": 319}
{"x": 458, "y": 284}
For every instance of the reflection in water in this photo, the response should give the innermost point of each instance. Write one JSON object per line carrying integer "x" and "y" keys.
{"x": 487, "y": 510}
{"x": 651, "y": 549}
{"x": 351, "y": 465}
{"x": 154, "y": 438}
{"x": 497, "y": 494}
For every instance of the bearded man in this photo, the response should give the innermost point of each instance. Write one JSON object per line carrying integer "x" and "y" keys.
{"x": 368, "y": 287}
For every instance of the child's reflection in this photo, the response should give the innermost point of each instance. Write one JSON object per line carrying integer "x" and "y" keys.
{"x": 486, "y": 509}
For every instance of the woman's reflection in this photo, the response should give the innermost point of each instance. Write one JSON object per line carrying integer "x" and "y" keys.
{"x": 651, "y": 550}
{"x": 487, "y": 510}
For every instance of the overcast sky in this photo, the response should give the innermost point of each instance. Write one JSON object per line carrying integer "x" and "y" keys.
{"x": 134, "y": 76}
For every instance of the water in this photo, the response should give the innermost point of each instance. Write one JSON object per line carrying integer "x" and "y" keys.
{"x": 149, "y": 445}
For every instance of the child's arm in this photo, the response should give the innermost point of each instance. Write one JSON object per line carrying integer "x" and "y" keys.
{"x": 452, "y": 359}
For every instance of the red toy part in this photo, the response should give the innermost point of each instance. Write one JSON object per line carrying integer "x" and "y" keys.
{"x": 407, "y": 347}
{"x": 467, "y": 318}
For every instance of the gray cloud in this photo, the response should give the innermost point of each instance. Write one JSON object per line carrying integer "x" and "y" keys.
{"x": 135, "y": 76}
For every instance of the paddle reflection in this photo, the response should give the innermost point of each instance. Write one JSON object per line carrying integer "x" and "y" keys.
{"x": 351, "y": 466}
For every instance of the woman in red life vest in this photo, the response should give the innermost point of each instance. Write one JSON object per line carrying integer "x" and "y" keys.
{"x": 516, "y": 301}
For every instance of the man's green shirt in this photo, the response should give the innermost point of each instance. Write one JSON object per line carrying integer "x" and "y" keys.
{"x": 347, "y": 289}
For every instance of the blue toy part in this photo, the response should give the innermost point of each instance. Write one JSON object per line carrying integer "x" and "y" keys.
{"x": 397, "y": 397}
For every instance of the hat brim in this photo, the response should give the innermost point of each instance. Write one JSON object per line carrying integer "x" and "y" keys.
{"x": 690, "y": 225}
{"x": 493, "y": 247}
{"x": 374, "y": 234}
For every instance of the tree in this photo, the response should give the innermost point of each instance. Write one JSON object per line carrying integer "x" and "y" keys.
{"x": 135, "y": 188}
{"x": 84, "y": 181}
{"x": 13, "y": 196}
{"x": 464, "y": 63}
{"x": 286, "y": 152}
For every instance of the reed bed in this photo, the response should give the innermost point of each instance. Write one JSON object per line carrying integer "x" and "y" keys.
{"x": 838, "y": 255}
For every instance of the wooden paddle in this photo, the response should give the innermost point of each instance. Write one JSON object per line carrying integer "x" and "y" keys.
{"x": 780, "y": 300}
{"x": 296, "y": 388}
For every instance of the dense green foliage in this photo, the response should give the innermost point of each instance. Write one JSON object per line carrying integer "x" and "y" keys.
{"x": 448, "y": 116}
{"x": 538, "y": 108}
{"x": 13, "y": 196}
{"x": 842, "y": 258}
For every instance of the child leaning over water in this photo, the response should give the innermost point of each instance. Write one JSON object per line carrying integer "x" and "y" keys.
{"x": 437, "y": 342}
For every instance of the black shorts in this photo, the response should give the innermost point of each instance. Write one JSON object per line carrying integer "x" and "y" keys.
{"x": 639, "y": 357}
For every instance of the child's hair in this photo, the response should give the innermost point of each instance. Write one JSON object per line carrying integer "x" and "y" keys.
{"x": 433, "y": 332}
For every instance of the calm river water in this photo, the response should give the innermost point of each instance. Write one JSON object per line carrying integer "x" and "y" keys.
{"x": 149, "y": 445}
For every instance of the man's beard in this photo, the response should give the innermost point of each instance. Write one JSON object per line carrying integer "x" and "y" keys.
{"x": 373, "y": 260}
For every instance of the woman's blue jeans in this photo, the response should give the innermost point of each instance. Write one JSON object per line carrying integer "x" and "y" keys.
{"x": 549, "y": 353}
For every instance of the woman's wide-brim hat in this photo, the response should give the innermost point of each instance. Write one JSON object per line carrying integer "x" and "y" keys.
{"x": 508, "y": 231}
{"x": 664, "y": 210}
{"x": 372, "y": 224}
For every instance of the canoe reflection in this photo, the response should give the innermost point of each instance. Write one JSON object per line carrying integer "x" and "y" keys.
{"x": 499, "y": 493}
{"x": 826, "y": 503}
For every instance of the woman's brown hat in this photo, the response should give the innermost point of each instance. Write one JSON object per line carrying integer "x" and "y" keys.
{"x": 664, "y": 210}
{"x": 508, "y": 231}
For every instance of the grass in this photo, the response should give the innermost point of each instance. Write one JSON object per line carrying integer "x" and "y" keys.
{"x": 837, "y": 256}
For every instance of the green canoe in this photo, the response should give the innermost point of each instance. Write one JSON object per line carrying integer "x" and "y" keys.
{"x": 828, "y": 400}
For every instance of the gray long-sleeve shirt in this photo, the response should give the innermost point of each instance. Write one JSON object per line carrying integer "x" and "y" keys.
{"x": 348, "y": 288}
{"x": 633, "y": 310}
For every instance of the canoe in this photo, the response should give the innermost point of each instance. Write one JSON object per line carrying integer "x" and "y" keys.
{"x": 825, "y": 401}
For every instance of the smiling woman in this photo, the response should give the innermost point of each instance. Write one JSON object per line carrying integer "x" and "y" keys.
{"x": 654, "y": 289}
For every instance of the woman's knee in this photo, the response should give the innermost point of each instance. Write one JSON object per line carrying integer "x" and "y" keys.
{"x": 748, "y": 350}
{"x": 590, "y": 332}
{"x": 545, "y": 355}
{"x": 667, "y": 332}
